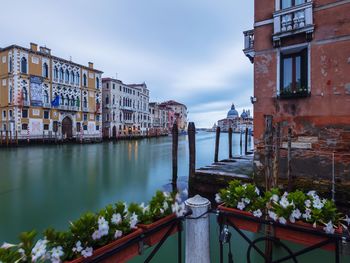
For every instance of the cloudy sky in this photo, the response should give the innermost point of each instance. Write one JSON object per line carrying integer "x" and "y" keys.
{"x": 186, "y": 50}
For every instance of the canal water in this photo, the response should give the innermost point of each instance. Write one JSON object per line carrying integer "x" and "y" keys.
{"x": 47, "y": 186}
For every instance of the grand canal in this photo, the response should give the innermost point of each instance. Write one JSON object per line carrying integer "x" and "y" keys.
{"x": 47, "y": 186}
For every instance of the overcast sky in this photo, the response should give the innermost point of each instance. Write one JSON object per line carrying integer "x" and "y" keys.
{"x": 186, "y": 50}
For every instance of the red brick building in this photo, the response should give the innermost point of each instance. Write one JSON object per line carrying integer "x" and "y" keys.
{"x": 301, "y": 55}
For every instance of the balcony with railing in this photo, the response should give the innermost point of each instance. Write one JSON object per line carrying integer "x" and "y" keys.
{"x": 86, "y": 109}
{"x": 26, "y": 103}
{"x": 249, "y": 44}
{"x": 293, "y": 20}
{"x": 46, "y": 105}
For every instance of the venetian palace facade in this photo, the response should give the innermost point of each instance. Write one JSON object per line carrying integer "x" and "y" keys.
{"x": 301, "y": 55}
{"x": 42, "y": 94}
{"x": 125, "y": 108}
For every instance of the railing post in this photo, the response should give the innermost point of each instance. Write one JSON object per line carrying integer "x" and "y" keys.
{"x": 192, "y": 149}
{"x": 197, "y": 230}
{"x": 217, "y": 142}
{"x": 230, "y": 143}
{"x": 246, "y": 142}
{"x": 175, "y": 134}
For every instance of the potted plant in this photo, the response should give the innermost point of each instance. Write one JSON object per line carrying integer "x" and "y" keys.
{"x": 241, "y": 199}
{"x": 306, "y": 212}
{"x": 162, "y": 208}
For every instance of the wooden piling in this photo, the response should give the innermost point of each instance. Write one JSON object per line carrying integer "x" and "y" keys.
{"x": 10, "y": 137}
{"x": 16, "y": 137}
{"x": 217, "y": 142}
{"x": 246, "y": 141}
{"x": 7, "y": 138}
{"x": 192, "y": 149}
{"x": 276, "y": 160}
{"x": 240, "y": 142}
{"x": 289, "y": 160}
{"x": 230, "y": 143}
{"x": 0, "y": 137}
{"x": 175, "y": 134}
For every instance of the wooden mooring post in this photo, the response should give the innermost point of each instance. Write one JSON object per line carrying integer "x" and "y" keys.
{"x": 246, "y": 141}
{"x": 0, "y": 137}
{"x": 16, "y": 137}
{"x": 230, "y": 143}
{"x": 240, "y": 142}
{"x": 175, "y": 134}
{"x": 217, "y": 142}
{"x": 192, "y": 149}
{"x": 289, "y": 160}
{"x": 7, "y": 138}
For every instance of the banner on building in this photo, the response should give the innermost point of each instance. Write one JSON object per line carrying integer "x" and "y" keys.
{"x": 36, "y": 91}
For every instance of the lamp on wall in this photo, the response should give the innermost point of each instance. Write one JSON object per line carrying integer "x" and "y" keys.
{"x": 253, "y": 99}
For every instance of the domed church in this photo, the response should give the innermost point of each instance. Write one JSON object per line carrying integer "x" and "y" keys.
{"x": 235, "y": 121}
{"x": 232, "y": 113}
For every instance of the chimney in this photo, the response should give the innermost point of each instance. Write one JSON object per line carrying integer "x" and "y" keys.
{"x": 91, "y": 65}
{"x": 34, "y": 47}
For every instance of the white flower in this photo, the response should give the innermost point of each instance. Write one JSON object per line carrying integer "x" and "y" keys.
{"x": 6, "y": 245}
{"x": 282, "y": 220}
{"x": 87, "y": 252}
{"x": 246, "y": 200}
{"x": 116, "y": 219}
{"x": 118, "y": 234}
{"x": 273, "y": 215}
{"x": 175, "y": 207}
{"x": 240, "y": 205}
{"x": 274, "y": 198}
{"x": 295, "y": 215}
{"x": 145, "y": 209}
{"x": 244, "y": 186}
{"x": 125, "y": 208}
{"x": 180, "y": 210}
{"x": 133, "y": 221}
{"x": 178, "y": 198}
{"x": 165, "y": 205}
{"x": 257, "y": 191}
{"x": 307, "y": 214}
{"x": 77, "y": 247}
{"x": 217, "y": 198}
{"x": 55, "y": 254}
{"x": 317, "y": 203}
{"x": 307, "y": 203}
{"x": 103, "y": 228}
{"x": 329, "y": 228}
{"x": 347, "y": 219}
{"x": 312, "y": 193}
{"x": 161, "y": 211}
{"x": 257, "y": 213}
{"x": 39, "y": 250}
{"x": 284, "y": 202}
{"x": 96, "y": 235}
{"x": 185, "y": 192}
{"x": 166, "y": 194}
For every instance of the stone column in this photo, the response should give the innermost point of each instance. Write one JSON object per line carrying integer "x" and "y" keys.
{"x": 197, "y": 230}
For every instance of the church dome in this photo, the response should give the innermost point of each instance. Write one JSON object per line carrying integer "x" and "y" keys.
{"x": 244, "y": 115}
{"x": 232, "y": 113}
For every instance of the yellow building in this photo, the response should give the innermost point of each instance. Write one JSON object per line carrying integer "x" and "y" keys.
{"x": 41, "y": 94}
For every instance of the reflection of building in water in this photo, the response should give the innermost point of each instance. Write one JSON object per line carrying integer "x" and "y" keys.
{"x": 236, "y": 122}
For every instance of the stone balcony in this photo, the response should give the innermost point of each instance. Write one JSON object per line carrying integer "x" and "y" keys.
{"x": 293, "y": 20}
{"x": 46, "y": 105}
{"x": 249, "y": 44}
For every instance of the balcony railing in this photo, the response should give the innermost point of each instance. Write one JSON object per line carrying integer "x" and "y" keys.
{"x": 46, "y": 105}
{"x": 293, "y": 20}
{"x": 85, "y": 108}
{"x": 249, "y": 44}
{"x": 26, "y": 103}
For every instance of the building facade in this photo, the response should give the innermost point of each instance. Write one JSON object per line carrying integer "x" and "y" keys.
{"x": 162, "y": 119}
{"x": 179, "y": 113}
{"x": 125, "y": 108}
{"x": 301, "y": 55}
{"x": 44, "y": 95}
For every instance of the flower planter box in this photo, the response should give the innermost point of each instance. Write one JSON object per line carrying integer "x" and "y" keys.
{"x": 158, "y": 235}
{"x": 241, "y": 223}
{"x": 304, "y": 238}
{"x": 121, "y": 256}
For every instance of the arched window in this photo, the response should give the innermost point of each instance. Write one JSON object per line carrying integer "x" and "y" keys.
{"x": 45, "y": 70}
{"x": 107, "y": 100}
{"x": 72, "y": 77}
{"x": 24, "y": 65}
{"x": 77, "y": 79}
{"x": 66, "y": 76}
{"x": 97, "y": 83}
{"x": 62, "y": 99}
{"x": 55, "y": 73}
{"x": 25, "y": 94}
{"x": 46, "y": 96}
{"x": 61, "y": 74}
{"x": 113, "y": 116}
{"x": 67, "y": 101}
{"x": 85, "y": 102}
{"x": 10, "y": 64}
{"x": 10, "y": 95}
{"x": 72, "y": 101}
{"x": 84, "y": 80}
